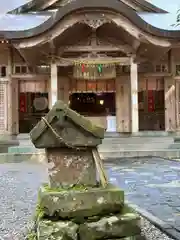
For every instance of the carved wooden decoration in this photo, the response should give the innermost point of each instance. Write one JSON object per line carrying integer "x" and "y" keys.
{"x": 95, "y": 21}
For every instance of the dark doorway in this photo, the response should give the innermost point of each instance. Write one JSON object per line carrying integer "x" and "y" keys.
{"x": 93, "y": 104}
{"x": 32, "y": 106}
{"x": 152, "y": 107}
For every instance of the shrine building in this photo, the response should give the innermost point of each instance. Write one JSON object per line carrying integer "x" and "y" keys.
{"x": 117, "y": 62}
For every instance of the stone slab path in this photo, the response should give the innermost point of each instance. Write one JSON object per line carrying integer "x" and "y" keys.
{"x": 152, "y": 184}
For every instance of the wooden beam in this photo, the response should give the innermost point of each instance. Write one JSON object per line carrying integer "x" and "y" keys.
{"x": 154, "y": 74}
{"x": 119, "y": 48}
{"x": 48, "y": 4}
{"x": 23, "y": 56}
{"x": 136, "y": 44}
{"x": 30, "y": 76}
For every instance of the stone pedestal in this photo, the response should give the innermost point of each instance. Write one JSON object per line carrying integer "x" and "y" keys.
{"x": 68, "y": 167}
{"x": 83, "y": 213}
{"x": 74, "y": 205}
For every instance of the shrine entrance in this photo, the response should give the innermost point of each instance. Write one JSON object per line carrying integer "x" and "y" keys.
{"x": 33, "y": 103}
{"x": 95, "y": 100}
{"x": 151, "y": 104}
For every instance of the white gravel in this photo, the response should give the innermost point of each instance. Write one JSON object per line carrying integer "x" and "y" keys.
{"x": 150, "y": 232}
{"x": 19, "y": 184}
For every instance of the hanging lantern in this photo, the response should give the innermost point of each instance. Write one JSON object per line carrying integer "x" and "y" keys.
{"x": 99, "y": 68}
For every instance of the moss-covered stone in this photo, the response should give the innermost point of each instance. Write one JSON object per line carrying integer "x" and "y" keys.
{"x": 81, "y": 203}
{"x": 117, "y": 226}
{"x": 72, "y": 127}
{"x": 60, "y": 230}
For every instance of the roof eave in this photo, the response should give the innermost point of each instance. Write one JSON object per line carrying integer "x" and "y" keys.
{"x": 74, "y": 6}
{"x": 149, "y": 6}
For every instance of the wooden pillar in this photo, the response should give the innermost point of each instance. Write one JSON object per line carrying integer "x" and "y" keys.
{"x": 170, "y": 104}
{"x": 123, "y": 115}
{"x": 64, "y": 89}
{"x": 9, "y": 94}
{"x": 171, "y": 63}
{"x": 15, "y": 109}
{"x": 134, "y": 96}
{"x": 53, "y": 86}
{"x": 171, "y": 96}
{"x": 61, "y": 83}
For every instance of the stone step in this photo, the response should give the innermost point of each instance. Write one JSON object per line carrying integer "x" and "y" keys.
{"x": 138, "y": 140}
{"x": 174, "y": 146}
{"x": 26, "y": 143}
{"x": 102, "y": 148}
{"x": 135, "y": 147}
{"x": 24, "y": 149}
{"x": 105, "y": 147}
{"x": 40, "y": 156}
{"x": 142, "y": 134}
{"x": 117, "y": 147}
{"x": 136, "y": 143}
{"x": 162, "y": 153}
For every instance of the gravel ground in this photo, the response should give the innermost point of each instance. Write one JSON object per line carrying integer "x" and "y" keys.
{"x": 19, "y": 185}
{"x": 150, "y": 232}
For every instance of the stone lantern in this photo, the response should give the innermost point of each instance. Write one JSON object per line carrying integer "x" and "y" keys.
{"x": 77, "y": 203}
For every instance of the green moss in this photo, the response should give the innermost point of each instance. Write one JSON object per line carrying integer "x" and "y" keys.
{"x": 31, "y": 236}
{"x": 79, "y": 187}
{"x": 39, "y": 211}
{"x": 75, "y": 188}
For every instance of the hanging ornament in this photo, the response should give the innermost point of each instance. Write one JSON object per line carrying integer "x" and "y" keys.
{"x": 83, "y": 68}
{"x": 99, "y": 68}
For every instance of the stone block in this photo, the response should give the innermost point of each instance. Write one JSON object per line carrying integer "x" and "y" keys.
{"x": 117, "y": 226}
{"x": 81, "y": 203}
{"x": 68, "y": 167}
{"x": 61, "y": 230}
